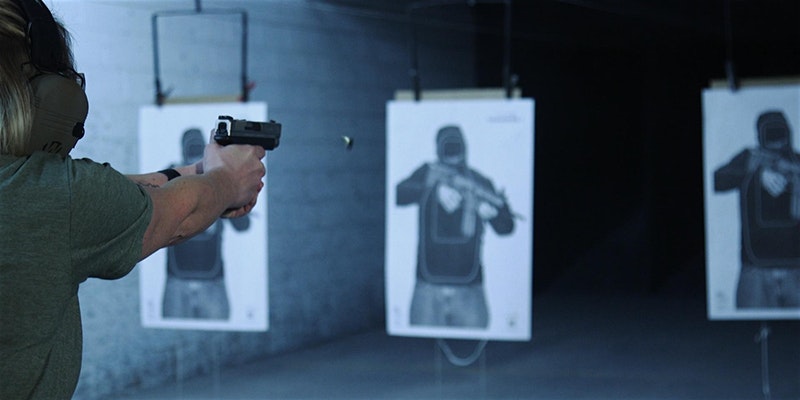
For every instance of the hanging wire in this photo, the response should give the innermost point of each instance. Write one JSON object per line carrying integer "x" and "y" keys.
{"x": 161, "y": 95}
{"x": 508, "y": 80}
{"x": 730, "y": 71}
{"x": 413, "y": 72}
{"x": 461, "y": 361}
{"x": 763, "y": 338}
{"x": 412, "y": 8}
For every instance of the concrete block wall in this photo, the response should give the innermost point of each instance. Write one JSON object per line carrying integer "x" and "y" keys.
{"x": 325, "y": 72}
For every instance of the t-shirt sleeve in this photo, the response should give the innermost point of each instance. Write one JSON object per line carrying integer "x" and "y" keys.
{"x": 109, "y": 216}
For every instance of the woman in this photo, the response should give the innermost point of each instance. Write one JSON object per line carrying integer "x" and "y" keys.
{"x": 63, "y": 220}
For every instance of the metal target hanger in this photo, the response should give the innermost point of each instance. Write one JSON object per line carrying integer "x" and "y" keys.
{"x": 509, "y": 80}
{"x": 730, "y": 71}
{"x": 161, "y": 96}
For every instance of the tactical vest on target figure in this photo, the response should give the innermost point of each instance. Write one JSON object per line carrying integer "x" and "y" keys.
{"x": 199, "y": 257}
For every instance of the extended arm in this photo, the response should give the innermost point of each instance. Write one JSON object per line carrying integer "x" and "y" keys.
{"x": 157, "y": 179}
{"x": 730, "y": 175}
{"x": 500, "y": 217}
{"x": 503, "y": 222}
{"x": 187, "y": 205}
{"x": 410, "y": 190}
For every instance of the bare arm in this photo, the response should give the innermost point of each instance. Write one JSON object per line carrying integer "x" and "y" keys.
{"x": 157, "y": 179}
{"x": 187, "y": 205}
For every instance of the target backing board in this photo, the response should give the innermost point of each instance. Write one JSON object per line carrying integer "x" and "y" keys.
{"x": 490, "y": 195}
{"x": 216, "y": 280}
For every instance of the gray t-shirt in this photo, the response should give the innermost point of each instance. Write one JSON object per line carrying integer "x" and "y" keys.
{"x": 61, "y": 221}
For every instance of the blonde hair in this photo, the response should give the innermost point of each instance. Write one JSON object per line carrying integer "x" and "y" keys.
{"x": 16, "y": 100}
{"x": 16, "y": 97}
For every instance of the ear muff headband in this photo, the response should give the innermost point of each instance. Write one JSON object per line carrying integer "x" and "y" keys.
{"x": 43, "y": 35}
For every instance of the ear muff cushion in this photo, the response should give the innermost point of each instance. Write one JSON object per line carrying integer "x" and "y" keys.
{"x": 60, "y": 109}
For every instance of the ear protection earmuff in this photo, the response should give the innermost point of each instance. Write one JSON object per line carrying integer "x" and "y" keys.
{"x": 60, "y": 107}
{"x": 60, "y": 103}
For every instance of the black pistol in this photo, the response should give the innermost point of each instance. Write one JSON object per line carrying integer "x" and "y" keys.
{"x": 240, "y": 131}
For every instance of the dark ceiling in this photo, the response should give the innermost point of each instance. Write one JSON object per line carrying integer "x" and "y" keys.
{"x": 617, "y": 85}
{"x": 731, "y": 28}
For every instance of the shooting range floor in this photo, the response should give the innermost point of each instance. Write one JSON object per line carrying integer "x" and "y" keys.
{"x": 585, "y": 346}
